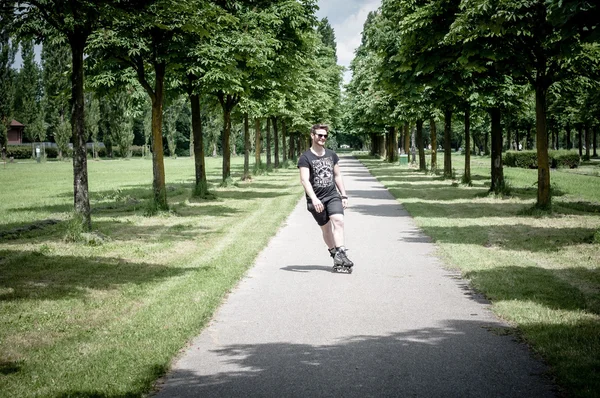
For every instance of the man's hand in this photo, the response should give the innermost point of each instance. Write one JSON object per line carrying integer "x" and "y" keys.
{"x": 345, "y": 202}
{"x": 319, "y": 207}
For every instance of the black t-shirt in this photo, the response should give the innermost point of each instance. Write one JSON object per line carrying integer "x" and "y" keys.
{"x": 321, "y": 172}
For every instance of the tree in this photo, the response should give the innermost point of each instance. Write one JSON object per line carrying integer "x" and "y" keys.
{"x": 172, "y": 113}
{"x": 56, "y": 67}
{"x": 74, "y": 21}
{"x": 540, "y": 41}
{"x": 7, "y": 57}
{"x": 27, "y": 103}
{"x": 120, "y": 121}
{"x": 92, "y": 120}
{"x": 370, "y": 102}
{"x": 419, "y": 64}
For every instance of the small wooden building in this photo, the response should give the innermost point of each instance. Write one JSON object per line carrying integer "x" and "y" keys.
{"x": 15, "y": 133}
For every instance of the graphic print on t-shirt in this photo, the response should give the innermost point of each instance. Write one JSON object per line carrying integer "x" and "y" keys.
{"x": 323, "y": 169}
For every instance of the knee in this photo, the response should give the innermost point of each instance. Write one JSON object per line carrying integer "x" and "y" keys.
{"x": 338, "y": 222}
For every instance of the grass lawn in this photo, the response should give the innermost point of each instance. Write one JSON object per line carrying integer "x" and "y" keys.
{"x": 105, "y": 315}
{"x": 540, "y": 271}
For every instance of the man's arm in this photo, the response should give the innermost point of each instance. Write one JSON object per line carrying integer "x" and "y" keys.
{"x": 305, "y": 180}
{"x": 339, "y": 182}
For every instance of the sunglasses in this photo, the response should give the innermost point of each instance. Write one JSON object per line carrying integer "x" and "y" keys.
{"x": 322, "y": 136}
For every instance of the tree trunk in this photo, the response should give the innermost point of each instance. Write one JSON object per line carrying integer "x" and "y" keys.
{"x": 228, "y": 102}
{"x": 268, "y": 143}
{"x": 395, "y": 144}
{"x": 497, "y": 170}
{"x": 580, "y": 139}
{"x": 568, "y": 134}
{"x": 595, "y": 144}
{"x": 486, "y": 143}
{"x": 276, "y": 143}
{"x": 508, "y": 138}
{"x": 80, "y": 173}
{"x": 466, "y": 179}
{"x": 588, "y": 142}
{"x": 232, "y": 140}
{"x": 246, "y": 175}
{"x": 407, "y": 141}
{"x": 433, "y": 133}
{"x": 201, "y": 188}
{"x": 543, "y": 196}
{"x": 283, "y": 141}
{"x": 390, "y": 144}
{"x": 292, "y": 146}
{"x": 420, "y": 146}
{"x": 413, "y": 146}
{"x": 517, "y": 140}
{"x": 374, "y": 144}
{"x": 191, "y": 142}
{"x": 447, "y": 143}
{"x": 382, "y": 148}
{"x": 257, "y": 146}
{"x": 225, "y": 145}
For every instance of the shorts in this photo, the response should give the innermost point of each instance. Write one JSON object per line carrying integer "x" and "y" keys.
{"x": 333, "y": 205}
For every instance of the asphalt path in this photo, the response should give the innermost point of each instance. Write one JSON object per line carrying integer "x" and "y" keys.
{"x": 401, "y": 325}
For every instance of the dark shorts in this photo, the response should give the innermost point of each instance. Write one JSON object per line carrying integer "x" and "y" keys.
{"x": 333, "y": 205}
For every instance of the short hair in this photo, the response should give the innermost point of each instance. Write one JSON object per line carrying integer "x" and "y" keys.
{"x": 316, "y": 127}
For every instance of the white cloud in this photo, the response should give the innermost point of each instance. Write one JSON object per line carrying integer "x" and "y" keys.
{"x": 347, "y": 19}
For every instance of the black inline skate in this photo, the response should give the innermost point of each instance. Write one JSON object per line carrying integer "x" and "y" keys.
{"x": 341, "y": 262}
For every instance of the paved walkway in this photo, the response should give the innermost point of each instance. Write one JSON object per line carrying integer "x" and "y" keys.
{"x": 399, "y": 326}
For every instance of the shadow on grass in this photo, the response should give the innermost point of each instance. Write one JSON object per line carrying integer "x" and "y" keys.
{"x": 9, "y": 367}
{"x": 245, "y": 194}
{"x": 547, "y": 287}
{"x": 464, "y": 210}
{"x": 259, "y": 185}
{"x": 119, "y": 202}
{"x": 38, "y": 276}
{"x": 439, "y": 193}
{"x": 178, "y": 232}
{"x": 577, "y": 207}
{"x": 513, "y": 237}
{"x": 452, "y": 360}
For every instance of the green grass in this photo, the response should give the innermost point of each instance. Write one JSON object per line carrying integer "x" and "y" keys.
{"x": 104, "y": 315}
{"x": 540, "y": 271}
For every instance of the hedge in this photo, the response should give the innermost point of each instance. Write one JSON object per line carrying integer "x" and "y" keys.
{"x": 528, "y": 159}
{"x": 565, "y": 159}
{"x": 18, "y": 151}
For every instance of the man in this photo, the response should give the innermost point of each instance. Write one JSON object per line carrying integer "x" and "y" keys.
{"x": 320, "y": 175}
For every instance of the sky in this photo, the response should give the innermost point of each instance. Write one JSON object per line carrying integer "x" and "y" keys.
{"x": 347, "y": 18}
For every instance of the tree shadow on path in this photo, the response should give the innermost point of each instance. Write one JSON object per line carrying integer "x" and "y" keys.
{"x": 459, "y": 359}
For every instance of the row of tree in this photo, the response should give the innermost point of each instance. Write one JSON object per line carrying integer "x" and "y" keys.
{"x": 422, "y": 60}
{"x": 269, "y": 60}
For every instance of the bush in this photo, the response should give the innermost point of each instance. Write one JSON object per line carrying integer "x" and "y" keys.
{"x": 568, "y": 159}
{"x": 528, "y": 159}
{"x": 136, "y": 151}
{"x": 522, "y": 159}
{"x": 51, "y": 153}
{"x": 18, "y": 151}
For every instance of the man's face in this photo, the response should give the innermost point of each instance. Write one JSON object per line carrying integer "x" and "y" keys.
{"x": 320, "y": 137}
